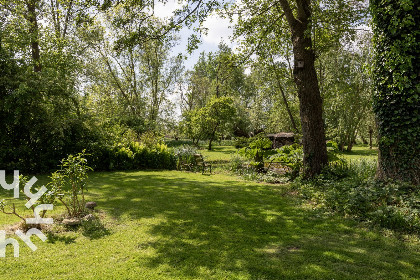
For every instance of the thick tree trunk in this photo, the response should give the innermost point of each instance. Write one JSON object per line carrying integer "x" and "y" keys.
{"x": 396, "y": 89}
{"x": 304, "y": 73}
{"x": 314, "y": 146}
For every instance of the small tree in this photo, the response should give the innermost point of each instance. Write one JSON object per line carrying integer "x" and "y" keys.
{"x": 214, "y": 119}
{"x": 69, "y": 182}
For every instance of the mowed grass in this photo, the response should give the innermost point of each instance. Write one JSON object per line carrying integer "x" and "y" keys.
{"x": 182, "y": 225}
{"x": 361, "y": 152}
{"x": 224, "y": 153}
{"x": 219, "y": 153}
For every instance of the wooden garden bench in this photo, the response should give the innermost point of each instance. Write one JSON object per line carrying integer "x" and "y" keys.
{"x": 203, "y": 165}
{"x": 184, "y": 165}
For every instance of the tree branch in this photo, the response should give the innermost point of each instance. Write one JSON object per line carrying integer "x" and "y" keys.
{"x": 288, "y": 12}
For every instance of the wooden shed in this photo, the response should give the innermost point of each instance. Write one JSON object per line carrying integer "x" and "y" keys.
{"x": 281, "y": 139}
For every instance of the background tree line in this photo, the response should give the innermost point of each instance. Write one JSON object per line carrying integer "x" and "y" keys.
{"x": 85, "y": 74}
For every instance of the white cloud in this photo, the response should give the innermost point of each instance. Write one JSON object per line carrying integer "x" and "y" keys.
{"x": 218, "y": 30}
{"x": 165, "y": 10}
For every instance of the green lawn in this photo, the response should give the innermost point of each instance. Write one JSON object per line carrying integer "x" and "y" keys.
{"x": 222, "y": 154}
{"x": 219, "y": 153}
{"x": 361, "y": 152}
{"x": 182, "y": 225}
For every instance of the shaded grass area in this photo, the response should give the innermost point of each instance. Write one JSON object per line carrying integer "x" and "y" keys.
{"x": 179, "y": 225}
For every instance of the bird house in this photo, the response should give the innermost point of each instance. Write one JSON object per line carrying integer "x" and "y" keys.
{"x": 300, "y": 63}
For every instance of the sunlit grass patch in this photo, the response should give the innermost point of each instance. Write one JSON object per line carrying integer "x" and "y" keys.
{"x": 183, "y": 225}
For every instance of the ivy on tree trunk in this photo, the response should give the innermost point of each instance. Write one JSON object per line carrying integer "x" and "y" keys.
{"x": 396, "y": 84}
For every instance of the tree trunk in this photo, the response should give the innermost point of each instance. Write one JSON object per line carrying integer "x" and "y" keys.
{"x": 314, "y": 146}
{"x": 283, "y": 94}
{"x": 210, "y": 142}
{"x": 304, "y": 73}
{"x": 33, "y": 31}
{"x": 396, "y": 89}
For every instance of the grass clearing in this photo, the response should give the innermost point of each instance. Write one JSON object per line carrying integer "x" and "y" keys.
{"x": 361, "y": 152}
{"x": 224, "y": 153}
{"x": 182, "y": 225}
{"x": 219, "y": 153}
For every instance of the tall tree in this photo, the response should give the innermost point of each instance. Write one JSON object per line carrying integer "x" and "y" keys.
{"x": 397, "y": 88}
{"x": 218, "y": 75}
{"x": 308, "y": 27}
{"x": 346, "y": 91}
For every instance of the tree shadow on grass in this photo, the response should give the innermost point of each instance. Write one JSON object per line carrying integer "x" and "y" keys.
{"x": 233, "y": 229}
{"x": 94, "y": 229}
{"x": 53, "y": 238}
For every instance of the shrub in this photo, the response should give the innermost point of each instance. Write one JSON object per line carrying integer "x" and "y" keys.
{"x": 290, "y": 156}
{"x": 185, "y": 156}
{"x": 390, "y": 204}
{"x": 133, "y": 156}
{"x": 176, "y": 143}
{"x": 241, "y": 142}
{"x": 258, "y": 149}
{"x": 68, "y": 184}
{"x": 237, "y": 163}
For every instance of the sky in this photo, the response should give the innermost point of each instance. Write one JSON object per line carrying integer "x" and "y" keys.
{"x": 218, "y": 30}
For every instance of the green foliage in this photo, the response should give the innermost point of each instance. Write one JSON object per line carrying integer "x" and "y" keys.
{"x": 69, "y": 183}
{"x": 152, "y": 154}
{"x": 172, "y": 143}
{"x": 347, "y": 91}
{"x": 350, "y": 189}
{"x": 396, "y": 83}
{"x": 42, "y": 116}
{"x": 237, "y": 163}
{"x": 185, "y": 157}
{"x": 258, "y": 149}
{"x": 290, "y": 156}
{"x": 241, "y": 166}
{"x": 212, "y": 121}
{"x": 242, "y": 142}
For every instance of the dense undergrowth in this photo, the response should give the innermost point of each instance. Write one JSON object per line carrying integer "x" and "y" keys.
{"x": 352, "y": 190}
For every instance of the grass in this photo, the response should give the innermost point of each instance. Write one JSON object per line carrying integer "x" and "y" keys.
{"x": 224, "y": 153}
{"x": 181, "y": 225}
{"x": 361, "y": 152}
{"x": 219, "y": 153}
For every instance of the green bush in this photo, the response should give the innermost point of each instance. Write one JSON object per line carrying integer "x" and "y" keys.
{"x": 241, "y": 142}
{"x": 185, "y": 157}
{"x": 259, "y": 148}
{"x": 390, "y": 204}
{"x": 68, "y": 184}
{"x": 133, "y": 156}
{"x": 237, "y": 163}
{"x": 290, "y": 156}
{"x": 176, "y": 143}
